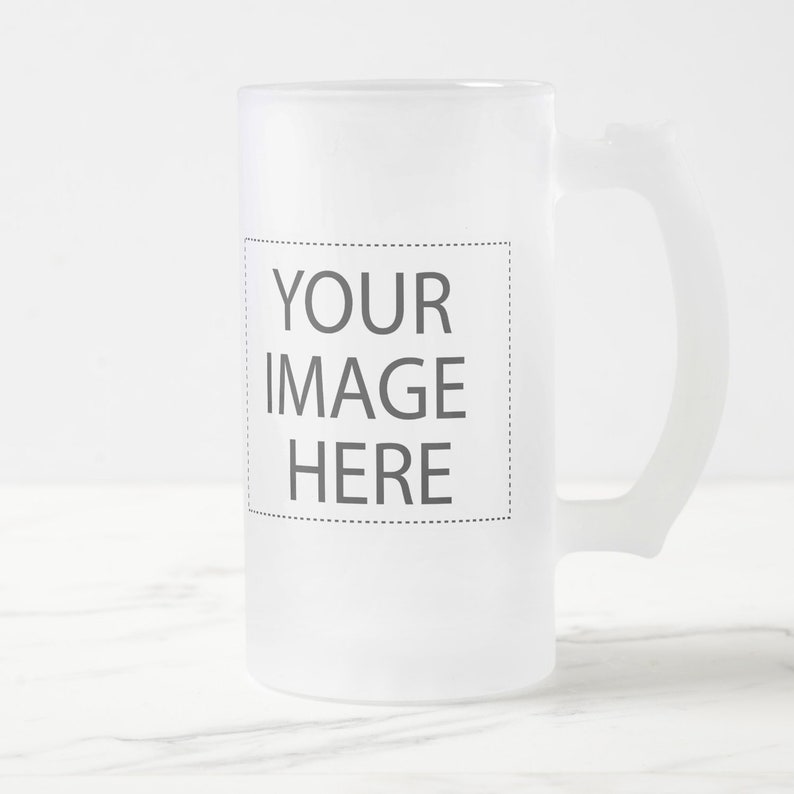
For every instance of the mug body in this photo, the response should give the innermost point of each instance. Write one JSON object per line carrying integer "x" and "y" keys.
{"x": 396, "y": 248}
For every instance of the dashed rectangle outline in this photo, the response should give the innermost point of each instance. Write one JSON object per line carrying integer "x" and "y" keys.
{"x": 509, "y": 513}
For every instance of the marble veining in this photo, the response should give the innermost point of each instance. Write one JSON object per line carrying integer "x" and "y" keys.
{"x": 121, "y": 653}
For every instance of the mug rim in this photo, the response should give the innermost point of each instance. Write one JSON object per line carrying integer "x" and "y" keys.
{"x": 471, "y": 88}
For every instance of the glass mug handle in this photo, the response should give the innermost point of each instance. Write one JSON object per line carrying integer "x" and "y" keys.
{"x": 645, "y": 159}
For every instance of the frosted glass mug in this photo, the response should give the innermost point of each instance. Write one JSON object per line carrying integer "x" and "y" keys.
{"x": 402, "y": 523}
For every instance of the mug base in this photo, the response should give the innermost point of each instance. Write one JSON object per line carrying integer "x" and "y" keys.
{"x": 511, "y": 693}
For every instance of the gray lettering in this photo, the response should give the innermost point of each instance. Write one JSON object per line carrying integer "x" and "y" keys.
{"x": 435, "y": 303}
{"x": 295, "y": 469}
{"x": 346, "y": 293}
{"x": 287, "y": 297}
{"x": 381, "y": 474}
{"x": 427, "y": 473}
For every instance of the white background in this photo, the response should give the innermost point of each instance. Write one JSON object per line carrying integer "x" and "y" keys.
{"x": 119, "y": 313}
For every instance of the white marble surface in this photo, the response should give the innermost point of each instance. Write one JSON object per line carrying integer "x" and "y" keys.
{"x": 121, "y": 653}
